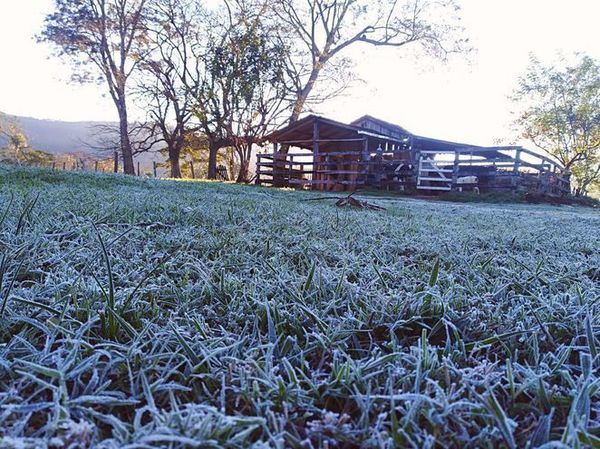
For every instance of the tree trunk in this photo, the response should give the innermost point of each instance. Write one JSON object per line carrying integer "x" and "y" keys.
{"x": 244, "y": 154}
{"x": 213, "y": 149}
{"x": 299, "y": 104}
{"x": 175, "y": 147}
{"x": 174, "y": 163}
{"x": 126, "y": 152}
{"x": 244, "y": 171}
{"x": 302, "y": 97}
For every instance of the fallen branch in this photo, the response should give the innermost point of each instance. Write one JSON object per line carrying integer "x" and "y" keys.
{"x": 353, "y": 202}
{"x": 349, "y": 201}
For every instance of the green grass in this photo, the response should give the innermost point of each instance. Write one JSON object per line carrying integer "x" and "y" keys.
{"x": 144, "y": 313}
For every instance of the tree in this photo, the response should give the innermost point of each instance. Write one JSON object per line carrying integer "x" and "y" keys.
{"x": 243, "y": 91}
{"x": 196, "y": 150}
{"x": 109, "y": 34}
{"x": 560, "y": 114}
{"x": 173, "y": 72}
{"x": 319, "y": 32}
{"x": 16, "y": 145}
{"x": 106, "y": 142}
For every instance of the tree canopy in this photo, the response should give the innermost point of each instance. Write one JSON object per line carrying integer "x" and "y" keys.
{"x": 560, "y": 114}
{"x": 244, "y": 84}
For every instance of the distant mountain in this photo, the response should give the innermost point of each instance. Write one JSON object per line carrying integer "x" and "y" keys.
{"x": 58, "y": 137}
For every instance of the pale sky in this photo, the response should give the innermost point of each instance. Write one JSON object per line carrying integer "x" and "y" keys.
{"x": 462, "y": 101}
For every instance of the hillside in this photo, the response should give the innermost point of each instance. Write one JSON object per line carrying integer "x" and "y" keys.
{"x": 55, "y": 136}
{"x": 59, "y": 137}
{"x": 147, "y": 313}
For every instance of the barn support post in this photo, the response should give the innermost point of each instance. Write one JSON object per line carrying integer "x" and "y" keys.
{"x": 455, "y": 168}
{"x": 515, "y": 177}
{"x": 365, "y": 150}
{"x": 278, "y": 167}
{"x": 365, "y": 159}
{"x": 316, "y": 138}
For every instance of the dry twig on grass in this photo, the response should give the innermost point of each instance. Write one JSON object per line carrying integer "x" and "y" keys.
{"x": 349, "y": 201}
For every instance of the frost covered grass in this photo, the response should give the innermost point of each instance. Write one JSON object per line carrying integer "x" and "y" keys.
{"x": 145, "y": 314}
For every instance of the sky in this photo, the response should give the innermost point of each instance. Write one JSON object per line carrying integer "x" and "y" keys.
{"x": 465, "y": 99}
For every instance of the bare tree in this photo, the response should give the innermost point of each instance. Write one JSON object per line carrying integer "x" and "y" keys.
{"x": 211, "y": 112}
{"x": 319, "y": 32}
{"x": 105, "y": 141}
{"x": 109, "y": 34}
{"x": 172, "y": 70}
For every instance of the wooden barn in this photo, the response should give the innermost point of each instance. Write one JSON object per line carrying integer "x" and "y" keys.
{"x": 322, "y": 154}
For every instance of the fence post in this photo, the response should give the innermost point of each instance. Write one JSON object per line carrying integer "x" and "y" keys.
{"x": 154, "y": 168}
{"x": 258, "y": 166}
{"x": 138, "y": 167}
{"x": 64, "y": 166}
{"x": 96, "y": 166}
{"x": 53, "y": 165}
{"x": 116, "y": 167}
{"x": 192, "y": 169}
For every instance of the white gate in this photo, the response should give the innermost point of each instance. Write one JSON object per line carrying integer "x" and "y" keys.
{"x": 430, "y": 175}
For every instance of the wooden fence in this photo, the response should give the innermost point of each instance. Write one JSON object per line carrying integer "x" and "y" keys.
{"x": 433, "y": 171}
{"x": 329, "y": 170}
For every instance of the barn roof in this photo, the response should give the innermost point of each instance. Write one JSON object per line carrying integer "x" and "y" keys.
{"x": 370, "y": 122}
{"x": 331, "y": 133}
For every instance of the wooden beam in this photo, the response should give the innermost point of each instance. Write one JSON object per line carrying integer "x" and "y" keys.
{"x": 515, "y": 179}
{"x": 316, "y": 137}
{"x": 291, "y": 142}
{"x": 517, "y": 160}
{"x": 455, "y": 167}
{"x": 365, "y": 151}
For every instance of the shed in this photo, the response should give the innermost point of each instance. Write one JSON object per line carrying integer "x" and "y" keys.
{"x": 324, "y": 154}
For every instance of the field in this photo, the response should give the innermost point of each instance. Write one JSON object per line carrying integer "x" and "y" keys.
{"x": 145, "y": 314}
